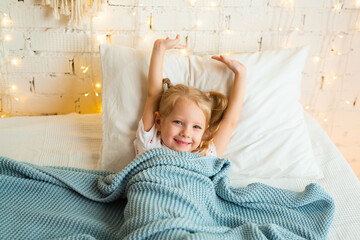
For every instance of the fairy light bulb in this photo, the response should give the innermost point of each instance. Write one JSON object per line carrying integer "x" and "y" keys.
{"x": 199, "y": 23}
{"x": 213, "y": 4}
{"x": 280, "y": 29}
{"x": 13, "y": 87}
{"x": 337, "y": 7}
{"x": 316, "y": 59}
{"x": 15, "y": 61}
{"x": 3, "y": 116}
{"x": 307, "y": 107}
{"x": 192, "y": 2}
{"x": 101, "y": 39}
{"x": 98, "y": 85}
{"x": 6, "y": 21}
{"x": 85, "y": 69}
{"x": 347, "y": 102}
{"x": 7, "y": 37}
{"x": 228, "y": 31}
{"x": 326, "y": 119}
{"x": 184, "y": 52}
{"x": 96, "y": 94}
{"x": 86, "y": 94}
{"x": 357, "y": 3}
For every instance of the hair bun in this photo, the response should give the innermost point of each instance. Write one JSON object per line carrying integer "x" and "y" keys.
{"x": 166, "y": 84}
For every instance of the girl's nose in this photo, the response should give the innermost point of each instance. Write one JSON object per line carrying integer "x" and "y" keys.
{"x": 185, "y": 132}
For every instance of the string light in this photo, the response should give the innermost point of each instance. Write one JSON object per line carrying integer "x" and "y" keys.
{"x": 101, "y": 39}
{"x": 199, "y": 23}
{"x": 13, "y": 87}
{"x": 7, "y": 37}
{"x": 85, "y": 69}
{"x": 86, "y": 94}
{"x": 192, "y": 2}
{"x": 98, "y": 85}
{"x": 316, "y": 59}
{"x": 15, "y": 61}
{"x": 6, "y": 21}
{"x": 337, "y": 7}
{"x": 184, "y": 52}
{"x": 3, "y": 116}
{"x": 357, "y": 3}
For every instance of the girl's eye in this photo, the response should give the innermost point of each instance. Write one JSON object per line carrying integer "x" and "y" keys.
{"x": 177, "y": 122}
{"x": 198, "y": 127}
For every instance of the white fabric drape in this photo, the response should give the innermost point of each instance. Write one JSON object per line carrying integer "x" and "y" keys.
{"x": 77, "y": 10}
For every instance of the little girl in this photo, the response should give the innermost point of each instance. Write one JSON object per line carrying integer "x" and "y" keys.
{"x": 184, "y": 118}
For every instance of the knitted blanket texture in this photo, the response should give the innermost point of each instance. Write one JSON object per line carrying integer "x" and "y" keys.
{"x": 162, "y": 194}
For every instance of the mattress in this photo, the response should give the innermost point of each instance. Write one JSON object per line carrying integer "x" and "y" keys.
{"x": 74, "y": 140}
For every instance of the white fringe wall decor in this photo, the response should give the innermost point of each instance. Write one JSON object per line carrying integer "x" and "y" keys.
{"x": 77, "y": 10}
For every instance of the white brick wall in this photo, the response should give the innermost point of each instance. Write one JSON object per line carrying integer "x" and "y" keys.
{"x": 50, "y": 79}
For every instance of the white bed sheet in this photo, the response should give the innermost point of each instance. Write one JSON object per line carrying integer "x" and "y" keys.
{"x": 71, "y": 140}
{"x": 75, "y": 140}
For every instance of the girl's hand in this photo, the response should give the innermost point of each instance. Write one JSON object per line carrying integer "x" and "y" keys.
{"x": 168, "y": 43}
{"x": 237, "y": 67}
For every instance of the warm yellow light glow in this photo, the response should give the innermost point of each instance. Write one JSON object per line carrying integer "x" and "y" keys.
{"x": 357, "y": 3}
{"x": 213, "y": 4}
{"x": 192, "y": 2}
{"x": 4, "y": 115}
{"x": 85, "y": 69}
{"x": 227, "y": 53}
{"x": 98, "y": 85}
{"x": 101, "y": 39}
{"x": 13, "y": 87}
{"x": 297, "y": 29}
{"x": 347, "y": 102}
{"x": 307, "y": 107}
{"x": 341, "y": 36}
{"x": 7, "y": 37}
{"x": 316, "y": 59}
{"x": 337, "y": 7}
{"x": 86, "y": 94}
{"x": 184, "y": 52}
{"x": 199, "y": 23}
{"x": 334, "y": 77}
{"x": 280, "y": 29}
{"x": 325, "y": 119}
{"x": 96, "y": 94}
{"x": 6, "y": 21}
{"x": 133, "y": 13}
{"x": 339, "y": 53}
{"x": 15, "y": 61}
{"x": 16, "y": 98}
{"x": 228, "y": 31}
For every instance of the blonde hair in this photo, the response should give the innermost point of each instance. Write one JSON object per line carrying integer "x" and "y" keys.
{"x": 211, "y": 103}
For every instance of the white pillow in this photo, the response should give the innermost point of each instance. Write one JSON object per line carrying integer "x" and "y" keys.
{"x": 270, "y": 140}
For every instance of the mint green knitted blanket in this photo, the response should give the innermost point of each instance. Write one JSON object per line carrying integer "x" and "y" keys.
{"x": 162, "y": 194}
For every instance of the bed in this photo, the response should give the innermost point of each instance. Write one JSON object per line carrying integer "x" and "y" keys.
{"x": 74, "y": 140}
{"x": 276, "y": 146}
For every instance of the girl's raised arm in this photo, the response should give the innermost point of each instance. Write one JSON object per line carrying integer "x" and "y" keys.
{"x": 155, "y": 76}
{"x": 232, "y": 112}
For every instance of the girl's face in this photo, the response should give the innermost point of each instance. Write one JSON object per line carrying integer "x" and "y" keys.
{"x": 183, "y": 128}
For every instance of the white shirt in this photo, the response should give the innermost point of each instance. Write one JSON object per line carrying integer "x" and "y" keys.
{"x": 148, "y": 140}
